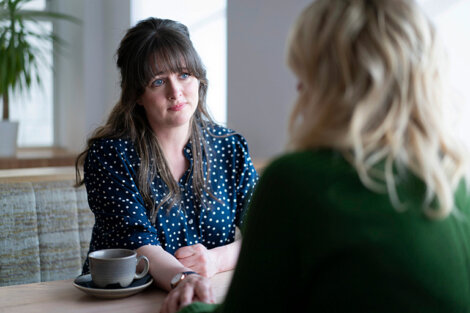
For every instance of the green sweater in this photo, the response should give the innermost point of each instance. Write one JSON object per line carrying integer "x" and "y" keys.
{"x": 317, "y": 240}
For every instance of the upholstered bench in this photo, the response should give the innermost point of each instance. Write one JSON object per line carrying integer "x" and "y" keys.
{"x": 45, "y": 225}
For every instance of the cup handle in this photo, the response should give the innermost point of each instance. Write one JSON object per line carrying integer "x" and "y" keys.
{"x": 145, "y": 270}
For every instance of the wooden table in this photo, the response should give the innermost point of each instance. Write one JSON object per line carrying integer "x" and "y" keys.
{"x": 61, "y": 296}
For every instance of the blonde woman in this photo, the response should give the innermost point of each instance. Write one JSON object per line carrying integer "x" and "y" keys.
{"x": 370, "y": 212}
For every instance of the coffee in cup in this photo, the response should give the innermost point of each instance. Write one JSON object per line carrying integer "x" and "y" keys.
{"x": 115, "y": 267}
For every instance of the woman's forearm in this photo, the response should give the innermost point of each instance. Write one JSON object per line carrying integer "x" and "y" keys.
{"x": 163, "y": 266}
{"x": 226, "y": 257}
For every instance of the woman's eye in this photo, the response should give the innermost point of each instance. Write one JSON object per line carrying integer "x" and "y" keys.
{"x": 158, "y": 82}
{"x": 184, "y": 75}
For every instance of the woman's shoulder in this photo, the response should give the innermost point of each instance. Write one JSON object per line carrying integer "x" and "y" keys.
{"x": 462, "y": 195}
{"x": 306, "y": 163}
{"x": 108, "y": 152}
{"x": 218, "y": 130}
{"x": 111, "y": 143}
{"x": 111, "y": 146}
{"x": 224, "y": 134}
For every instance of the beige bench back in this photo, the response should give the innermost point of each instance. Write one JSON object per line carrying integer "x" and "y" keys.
{"x": 45, "y": 226}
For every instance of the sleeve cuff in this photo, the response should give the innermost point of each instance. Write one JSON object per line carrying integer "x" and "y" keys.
{"x": 199, "y": 307}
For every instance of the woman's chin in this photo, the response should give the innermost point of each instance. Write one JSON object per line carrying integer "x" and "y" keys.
{"x": 180, "y": 121}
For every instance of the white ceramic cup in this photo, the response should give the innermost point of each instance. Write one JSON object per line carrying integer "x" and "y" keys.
{"x": 115, "y": 266}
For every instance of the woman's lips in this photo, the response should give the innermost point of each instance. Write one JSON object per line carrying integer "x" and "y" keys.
{"x": 177, "y": 107}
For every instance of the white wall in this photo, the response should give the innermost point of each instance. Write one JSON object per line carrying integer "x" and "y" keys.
{"x": 454, "y": 29}
{"x": 86, "y": 80}
{"x": 260, "y": 88}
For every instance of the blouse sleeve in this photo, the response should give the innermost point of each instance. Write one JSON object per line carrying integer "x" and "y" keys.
{"x": 121, "y": 219}
{"x": 247, "y": 177}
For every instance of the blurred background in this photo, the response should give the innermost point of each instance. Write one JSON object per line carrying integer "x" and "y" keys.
{"x": 242, "y": 44}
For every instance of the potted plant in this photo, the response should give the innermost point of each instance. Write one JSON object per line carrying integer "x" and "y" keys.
{"x": 20, "y": 56}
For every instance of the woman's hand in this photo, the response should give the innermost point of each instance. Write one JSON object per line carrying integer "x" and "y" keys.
{"x": 192, "y": 288}
{"x": 199, "y": 259}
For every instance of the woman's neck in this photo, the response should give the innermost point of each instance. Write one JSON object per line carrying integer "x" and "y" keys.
{"x": 173, "y": 140}
{"x": 172, "y": 143}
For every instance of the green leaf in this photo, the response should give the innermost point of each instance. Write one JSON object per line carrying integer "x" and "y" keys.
{"x": 20, "y": 56}
{"x": 47, "y": 16}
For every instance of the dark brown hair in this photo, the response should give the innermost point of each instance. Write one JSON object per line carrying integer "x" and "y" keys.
{"x": 153, "y": 46}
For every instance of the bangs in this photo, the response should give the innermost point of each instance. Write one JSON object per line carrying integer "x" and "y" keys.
{"x": 172, "y": 57}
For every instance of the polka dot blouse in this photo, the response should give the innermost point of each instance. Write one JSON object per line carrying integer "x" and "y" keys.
{"x": 121, "y": 219}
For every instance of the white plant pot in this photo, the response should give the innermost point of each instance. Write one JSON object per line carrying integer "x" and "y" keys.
{"x": 8, "y": 138}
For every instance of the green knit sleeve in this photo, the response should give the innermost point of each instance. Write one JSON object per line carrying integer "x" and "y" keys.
{"x": 269, "y": 252}
{"x": 199, "y": 307}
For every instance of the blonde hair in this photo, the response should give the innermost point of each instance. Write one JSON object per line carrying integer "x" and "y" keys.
{"x": 371, "y": 87}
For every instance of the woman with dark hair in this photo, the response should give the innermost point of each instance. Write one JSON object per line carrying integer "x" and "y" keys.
{"x": 161, "y": 176}
{"x": 376, "y": 185}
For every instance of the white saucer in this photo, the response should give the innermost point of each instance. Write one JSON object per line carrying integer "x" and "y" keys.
{"x": 85, "y": 284}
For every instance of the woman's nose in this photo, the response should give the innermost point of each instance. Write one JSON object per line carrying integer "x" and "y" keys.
{"x": 174, "y": 89}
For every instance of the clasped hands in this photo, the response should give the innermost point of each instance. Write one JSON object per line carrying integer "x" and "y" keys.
{"x": 194, "y": 287}
{"x": 199, "y": 259}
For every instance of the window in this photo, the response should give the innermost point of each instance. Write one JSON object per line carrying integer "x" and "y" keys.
{"x": 34, "y": 109}
{"x": 453, "y": 24}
